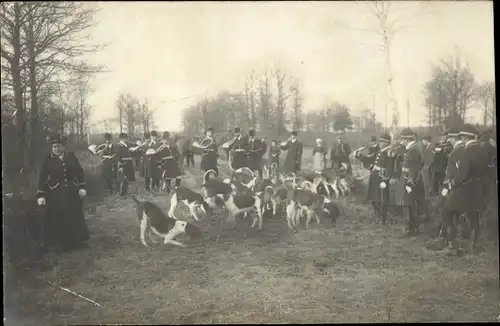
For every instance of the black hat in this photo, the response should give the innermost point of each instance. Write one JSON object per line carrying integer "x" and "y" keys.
{"x": 166, "y": 135}
{"x": 122, "y": 135}
{"x": 468, "y": 130}
{"x": 147, "y": 135}
{"x": 58, "y": 139}
{"x": 107, "y": 136}
{"x": 407, "y": 133}
{"x": 373, "y": 138}
{"x": 154, "y": 133}
{"x": 209, "y": 129}
{"x": 385, "y": 137}
{"x": 294, "y": 133}
{"x": 237, "y": 129}
{"x": 251, "y": 133}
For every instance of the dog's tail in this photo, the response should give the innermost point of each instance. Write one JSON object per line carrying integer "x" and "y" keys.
{"x": 206, "y": 175}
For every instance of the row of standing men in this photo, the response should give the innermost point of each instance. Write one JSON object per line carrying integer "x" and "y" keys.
{"x": 460, "y": 170}
{"x": 161, "y": 159}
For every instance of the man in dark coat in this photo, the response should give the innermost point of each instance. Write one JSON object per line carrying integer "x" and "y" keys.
{"x": 152, "y": 173}
{"x": 428, "y": 158}
{"x": 61, "y": 186}
{"x": 340, "y": 153}
{"x": 108, "y": 167}
{"x": 256, "y": 150}
{"x": 124, "y": 164}
{"x": 238, "y": 148}
{"x": 187, "y": 152}
{"x": 462, "y": 187}
{"x": 488, "y": 146}
{"x": 413, "y": 196}
{"x": 168, "y": 156}
{"x": 210, "y": 154}
{"x": 293, "y": 158}
{"x": 381, "y": 168}
{"x": 438, "y": 166}
{"x": 142, "y": 167}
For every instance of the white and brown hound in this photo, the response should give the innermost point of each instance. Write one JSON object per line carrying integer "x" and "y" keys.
{"x": 152, "y": 218}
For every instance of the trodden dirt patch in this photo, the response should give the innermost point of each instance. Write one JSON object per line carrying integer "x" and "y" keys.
{"x": 354, "y": 272}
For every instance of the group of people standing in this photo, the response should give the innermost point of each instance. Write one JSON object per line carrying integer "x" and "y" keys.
{"x": 460, "y": 169}
{"x": 159, "y": 161}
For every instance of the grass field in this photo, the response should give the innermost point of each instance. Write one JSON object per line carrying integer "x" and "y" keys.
{"x": 353, "y": 272}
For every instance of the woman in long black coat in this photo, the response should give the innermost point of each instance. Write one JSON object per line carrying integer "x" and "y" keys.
{"x": 61, "y": 188}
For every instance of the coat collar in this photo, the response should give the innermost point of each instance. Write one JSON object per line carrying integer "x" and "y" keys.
{"x": 122, "y": 143}
{"x": 469, "y": 142}
{"x": 458, "y": 143}
{"x": 52, "y": 155}
{"x": 410, "y": 144}
{"x": 385, "y": 148}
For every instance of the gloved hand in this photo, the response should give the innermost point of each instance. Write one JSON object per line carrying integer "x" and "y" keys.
{"x": 41, "y": 201}
{"x": 444, "y": 192}
{"x": 383, "y": 185}
{"x": 120, "y": 170}
{"x": 408, "y": 189}
{"x": 82, "y": 193}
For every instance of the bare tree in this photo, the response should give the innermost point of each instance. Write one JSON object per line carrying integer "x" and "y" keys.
{"x": 13, "y": 18}
{"x": 281, "y": 99}
{"x": 265, "y": 95}
{"x": 450, "y": 92}
{"x": 250, "y": 98}
{"x": 296, "y": 107}
{"x": 485, "y": 96}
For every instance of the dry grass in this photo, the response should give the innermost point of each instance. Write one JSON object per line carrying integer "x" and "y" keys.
{"x": 355, "y": 272}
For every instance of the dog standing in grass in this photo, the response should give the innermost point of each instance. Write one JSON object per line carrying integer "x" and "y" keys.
{"x": 152, "y": 218}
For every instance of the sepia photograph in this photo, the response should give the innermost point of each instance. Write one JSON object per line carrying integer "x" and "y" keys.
{"x": 238, "y": 162}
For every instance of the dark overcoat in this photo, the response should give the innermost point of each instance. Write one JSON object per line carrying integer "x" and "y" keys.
{"x": 238, "y": 152}
{"x": 256, "y": 150}
{"x": 427, "y": 177}
{"x": 168, "y": 158}
{"x": 209, "y": 157}
{"x": 124, "y": 160}
{"x": 463, "y": 173}
{"x": 108, "y": 165}
{"x": 411, "y": 176}
{"x": 151, "y": 169}
{"x": 340, "y": 154}
{"x": 293, "y": 158}
{"x": 381, "y": 171}
{"x": 59, "y": 182}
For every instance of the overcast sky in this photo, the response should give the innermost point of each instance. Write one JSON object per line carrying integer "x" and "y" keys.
{"x": 167, "y": 51}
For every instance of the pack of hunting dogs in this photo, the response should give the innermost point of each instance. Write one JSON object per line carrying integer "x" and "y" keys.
{"x": 404, "y": 173}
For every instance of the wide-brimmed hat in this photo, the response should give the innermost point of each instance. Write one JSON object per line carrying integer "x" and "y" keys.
{"x": 122, "y": 135}
{"x": 385, "y": 137}
{"x": 57, "y": 139}
{"x": 407, "y": 133}
{"x": 468, "y": 130}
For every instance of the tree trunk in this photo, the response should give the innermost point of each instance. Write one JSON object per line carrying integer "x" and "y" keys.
{"x": 34, "y": 114}
{"x": 17, "y": 85}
